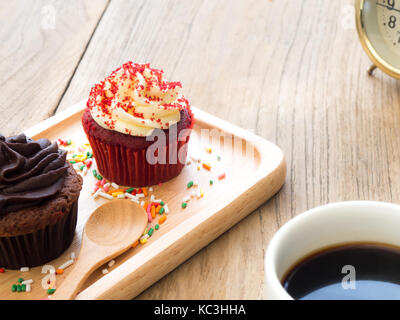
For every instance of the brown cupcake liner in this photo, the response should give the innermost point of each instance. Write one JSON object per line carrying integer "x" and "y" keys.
{"x": 39, "y": 247}
{"x": 129, "y": 167}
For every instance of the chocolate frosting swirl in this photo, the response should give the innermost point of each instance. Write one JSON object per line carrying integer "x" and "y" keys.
{"x": 30, "y": 172}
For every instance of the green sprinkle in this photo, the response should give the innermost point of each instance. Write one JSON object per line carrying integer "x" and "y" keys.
{"x": 99, "y": 177}
{"x": 130, "y": 190}
{"x": 74, "y": 156}
{"x": 19, "y": 288}
{"x": 89, "y": 155}
{"x": 82, "y": 167}
{"x": 51, "y": 291}
{"x": 162, "y": 203}
{"x": 20, "y": 280}
{"x": 150, "y": 232}
{"x": 184, "y": 205}
{"x": 14, "y": 288}
{"x": 157, "y": 226}
{"x": 190, "y": 184}
{"x": 219, "y": 158}
{"x": 94, "y": 173}
{"x": 162, "y": 210}
{"x": 72, "y": 162}
{"x": 69, "y": 142}
{"x": 23, "y": 287}
{"x": 211, "y": 182}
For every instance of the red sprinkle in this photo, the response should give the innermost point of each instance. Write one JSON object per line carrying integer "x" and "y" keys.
{"x": 2, "y": 270}
{"x": 221, "y": 176}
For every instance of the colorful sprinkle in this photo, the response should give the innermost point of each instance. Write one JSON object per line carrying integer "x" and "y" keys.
{"x": 222, "y": 176}
{"x": 162, "y": 219}
{"x": 190, "y": 184}
{"x": 51, "y": 291}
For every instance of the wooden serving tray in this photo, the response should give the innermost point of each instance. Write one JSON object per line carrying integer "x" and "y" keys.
{"x": 251, "y": 179}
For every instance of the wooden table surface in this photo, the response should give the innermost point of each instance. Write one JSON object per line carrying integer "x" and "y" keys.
{"x": 292, "y": 71}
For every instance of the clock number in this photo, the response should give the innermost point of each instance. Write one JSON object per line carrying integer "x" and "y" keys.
{"x": 391, "y": 4}
{"x": 392, "y": 22}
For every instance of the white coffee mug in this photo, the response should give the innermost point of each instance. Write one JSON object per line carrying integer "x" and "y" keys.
{"x": 323, "y": 227}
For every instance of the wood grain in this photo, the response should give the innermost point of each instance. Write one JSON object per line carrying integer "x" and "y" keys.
{"x": 41, "y": 44}
{"x": 292, "y": 71}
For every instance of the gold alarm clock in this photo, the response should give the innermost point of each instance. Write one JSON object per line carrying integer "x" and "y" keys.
{"x": 378, "y": 26}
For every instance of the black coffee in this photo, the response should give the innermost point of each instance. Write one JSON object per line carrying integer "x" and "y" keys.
{"x": 349, "y": 272}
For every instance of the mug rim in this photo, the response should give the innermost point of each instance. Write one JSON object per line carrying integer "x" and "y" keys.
{"x": 270, "y": 271}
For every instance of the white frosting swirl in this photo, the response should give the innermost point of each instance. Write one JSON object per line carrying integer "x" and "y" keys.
{"x": 135, "y": 100}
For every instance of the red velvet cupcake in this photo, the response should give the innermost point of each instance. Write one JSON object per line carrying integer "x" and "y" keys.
{"x": 138, "y": 125}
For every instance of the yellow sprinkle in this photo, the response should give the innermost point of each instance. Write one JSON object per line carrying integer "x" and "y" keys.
{"x": 198, "y": 168}
{"x": 143, "y": 241}
{"x": 209, "y": 150}
{"x": 80, "y": 157}
{"x": 116, "y": 194}
{"x": 201, "y": 193}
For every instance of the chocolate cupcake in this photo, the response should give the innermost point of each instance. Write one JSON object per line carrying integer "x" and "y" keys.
{"x": 39, "y": 193}
{"x": 138, "y": 125}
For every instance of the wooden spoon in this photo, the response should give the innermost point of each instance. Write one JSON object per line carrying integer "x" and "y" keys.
{"x": 111, "y": 230}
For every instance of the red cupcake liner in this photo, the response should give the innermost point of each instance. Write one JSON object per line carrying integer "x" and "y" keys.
{"x": 129, "y": 167}
{"x": 39, "y": 247}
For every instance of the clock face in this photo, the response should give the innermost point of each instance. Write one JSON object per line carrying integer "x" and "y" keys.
{"x": 379, "y": 31}
{"x": 388, "y": 15}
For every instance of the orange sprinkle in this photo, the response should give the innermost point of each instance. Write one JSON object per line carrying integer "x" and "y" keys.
{"x": 114, "y": 191}
{"x": 158, "y": 208}
{"x": 135, "y": 244}
{"x": 144, "y": 191}
{"x": 153, "y": 212}
{"x": 162, "y": 219}
{"x": 145, "y": 206}
{"x": 206, "y": 166}
{"x": 59, "y": 271}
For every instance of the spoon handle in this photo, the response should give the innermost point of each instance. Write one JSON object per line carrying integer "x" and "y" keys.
{"x": 73, "y": 282}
